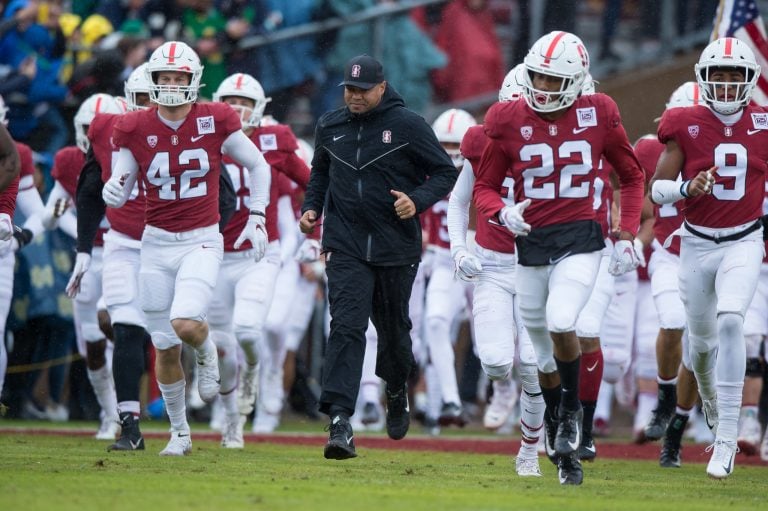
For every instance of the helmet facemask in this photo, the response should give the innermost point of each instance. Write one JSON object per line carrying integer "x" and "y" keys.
{"x": 726, "y": 97}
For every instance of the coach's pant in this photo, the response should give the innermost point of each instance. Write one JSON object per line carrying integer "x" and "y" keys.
{"x": 357, "y": 291}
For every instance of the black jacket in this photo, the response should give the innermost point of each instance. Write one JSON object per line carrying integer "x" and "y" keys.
{"x": 358, "y": 160}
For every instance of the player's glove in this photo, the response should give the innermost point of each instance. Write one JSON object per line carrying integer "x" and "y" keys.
{"x": 6, "y": 227}
{"x": 255, "y": 232}
{"x": 512, "y": 218}
{"x": 639, "y": 252}
{"x": 468, "y": 267}
{"x": 309, "y": 251}
{"x": 113, "y": 193}
{"x": 623, "y": 258}
{"x": 82, "y": 263}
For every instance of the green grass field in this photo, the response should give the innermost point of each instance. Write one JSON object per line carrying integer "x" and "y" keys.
{"x": 41, "y": 472}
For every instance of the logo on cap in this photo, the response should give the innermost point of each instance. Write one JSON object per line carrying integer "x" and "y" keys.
{"x": 355, "y": 72}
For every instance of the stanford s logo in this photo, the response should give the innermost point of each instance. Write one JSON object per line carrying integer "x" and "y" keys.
{"x": 693, "y": 131}
{"x": 174, "y": 140}
{"x": 152, "y": 140}
{"x": 526, "y": 132}
{"x": 355, "y": 72}
{"x": 386, "y": 136}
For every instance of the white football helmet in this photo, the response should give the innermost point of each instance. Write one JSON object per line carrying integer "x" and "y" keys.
{"x": 450, "y": 128}
{"x": 137, "y": 83}
{"x": 174, "y": 56}
{"x": 686, "y": 95}
{"x": 305, "y": 151}
{"x": 244, "y": 86}
{"x": 3, "y": 112}
{"x": 513, "y": 84}
{"x": 96, "y": 104}
{"x": 558, "y": 54}
{"x": 727, "y": 52}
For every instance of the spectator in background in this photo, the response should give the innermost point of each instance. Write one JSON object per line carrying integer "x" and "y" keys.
{"x": 408, "y": 55}
{"x": 108, "y": 69}
{"x": 36, "y": 118}
{"x": 244, "y": 19}
{"x": 467, "y": 35}
{"x": 560, "y": 15}
{"x": 287, "y": 68}
{"x": 159, "y": 18}
{"x": 204, "y": 27}
{"x": 611, "y": 18}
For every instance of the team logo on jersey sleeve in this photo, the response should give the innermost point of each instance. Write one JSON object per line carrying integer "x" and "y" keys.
{"x": 693, "y": 131}
{"x": 526, "y": 132}
{"x": 586, "y": 117}
{"x": 268, "y": 142}
{"x": 205, "y": 125}
{"x": 760, "y": 121}
{"x": 152, "y": 140}
{"x": 386, "y": 136}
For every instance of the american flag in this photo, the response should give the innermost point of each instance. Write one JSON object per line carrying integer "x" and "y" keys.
{"x": 741, "y": 19}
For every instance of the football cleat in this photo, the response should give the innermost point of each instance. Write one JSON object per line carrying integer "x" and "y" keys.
{"x": 109, "y": 429}
{"x": 452, "y": 413}
{"x": 232, "y": 436}
{"x": 130, "y": 436}
{"x": 527, "y": 467}
{"x": 749, "y": 433}
{"x": 398, "y": 413}
{"x": 672, "y": 446}
{"x": 550, "y": 426}
{"x": 568, "y": 436}
{"x": 587, "y": 450}
{"x": 180, "y": 444}
{"x": 720, "y": 464}
{"x": 341, "y": 444}
{"x": 501, "y": 406}
{"x": 709, "y": 408}
{"x": 248, "y": 389}
{"x": 208, "y": 381}
{"x": 569, "y": 469}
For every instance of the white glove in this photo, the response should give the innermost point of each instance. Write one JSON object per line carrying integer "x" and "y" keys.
{"x": 623, "y": 258}
{"x": 255, "y": 232}
{"x": 82, "y": 263}
{"x": 113, "y": 193}
{"x": 309, "y": 251}
{"x": 512, "y": 218}
{"x": 6, "y": 227}
{"x": 468, "y": 267}
{"x": 60, "y": 207}
{"x": 8, "y": 246}
{"x": 639, "y": 252}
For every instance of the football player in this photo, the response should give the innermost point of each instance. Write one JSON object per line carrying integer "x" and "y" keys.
{"x": 551, "y": 143}
{"x": 720, "y": 151}
{"x": 176, "y": 150}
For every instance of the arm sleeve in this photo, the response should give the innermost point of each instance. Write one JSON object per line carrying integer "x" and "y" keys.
{"x": 314, "y": 198}
{"x": 10, "y": 163}
{"x": 126, "y": 166}
{"x": 619, "y": 153}
{"x": 489, "y": 179}
{"x": 286, "y": 224}
{"x": 244, "y": 151}
{"x": 31, "y": 205}
{"x": 68, "y": 224}
{"x": 431, "y": 156}
{"x": 90, "y": 205}
{"x": 458, "y": 208}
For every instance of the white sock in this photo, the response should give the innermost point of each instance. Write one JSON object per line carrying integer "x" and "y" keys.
{"x": 104, "y": 388}
{"x": 229, "y": 400}
{"x": 175, "y": 404}
{"x": 205, "y": 349}
{"x": 728, "y": 406}
{"x": 646, "y": 402}
{"x": 604, "y": 401}
{"x": 133, "y": 407}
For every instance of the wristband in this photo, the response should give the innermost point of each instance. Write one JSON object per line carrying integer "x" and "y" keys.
{"x": 258, "y": 213}
{"x": 684, "y": 188}
{"x": 23, "y": 236}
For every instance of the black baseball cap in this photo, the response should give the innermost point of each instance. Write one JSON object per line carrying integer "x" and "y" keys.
{"x": 363, "y": 71}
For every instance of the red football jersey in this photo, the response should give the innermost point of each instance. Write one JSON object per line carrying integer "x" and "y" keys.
{"x": 739, "y": 151}
{"x": 490, "y": 235}
{"x": 437, "y": 224}
{"x": 603, "y": 196}
{"x": 67, "y": 164}
{"x": 26, "y": 160}
{"x": 668, "y": 216}
{"x": 129, "y": 219}
{"x": 8, "y": 197}
{"x": 179, "y": 169}
{"x": 278, "y": 143}
{"x": 554, "y": 163}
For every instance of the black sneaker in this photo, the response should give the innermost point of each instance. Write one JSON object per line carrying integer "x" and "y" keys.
{"x": 130, "y": 436}
{"x": 672, "y": 446}
{"x": 398, "y": 416}
{"x": 569, "y": 469}
{"x": 568, "y": 436}
{"x": 663, "y": 412}
{"x": 370, "y": 414}
{"x": 341, "y": 445}
{"x": 550, "y": 427}
{"x": 452, "y": 413}
{"x": 587, "y": 450}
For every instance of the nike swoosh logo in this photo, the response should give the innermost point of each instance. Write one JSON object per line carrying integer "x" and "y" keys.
{"x": 590, "y": 369}
{"x": 134, "y": 445}
{"x": 557, "y": 260}
{"x": 349, "y": 439}
{"x": 576, "y": 131}
{"x": 195, "y": 139}
{"x": 575, "y": 445}
{"x": 182, "y": 436}
{"x": 208, "y": 246}
{"x": 335, "y": 138}
{"x": 752, "y": 132}
{"x": 729, "y": 467}
{"x": 590, "y": 448}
